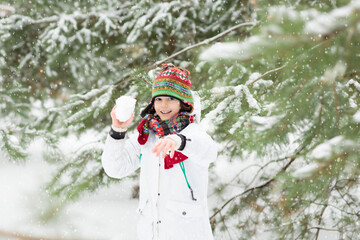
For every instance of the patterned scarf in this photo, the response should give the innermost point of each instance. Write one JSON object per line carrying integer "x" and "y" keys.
{"x": 163, "y": 128}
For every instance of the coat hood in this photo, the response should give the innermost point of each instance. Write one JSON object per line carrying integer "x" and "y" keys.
{"x": 197, "y": 107}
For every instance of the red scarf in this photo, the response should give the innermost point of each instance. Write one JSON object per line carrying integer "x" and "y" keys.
{"x": 162, "y": 128}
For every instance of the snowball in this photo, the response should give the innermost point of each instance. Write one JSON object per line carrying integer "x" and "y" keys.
{"x": 125, "y": 106}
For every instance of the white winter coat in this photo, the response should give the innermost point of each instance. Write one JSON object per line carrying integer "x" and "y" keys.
{"x": 166, "y": 208}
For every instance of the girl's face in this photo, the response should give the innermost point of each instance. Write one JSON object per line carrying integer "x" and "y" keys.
{"x": 166, "y": 107}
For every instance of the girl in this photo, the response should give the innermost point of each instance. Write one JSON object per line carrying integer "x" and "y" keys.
{"x": 173, "y": 153}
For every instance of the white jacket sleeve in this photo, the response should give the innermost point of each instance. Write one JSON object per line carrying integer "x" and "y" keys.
{"x": 120, "y": 158}
{"x": 200, "y": 147}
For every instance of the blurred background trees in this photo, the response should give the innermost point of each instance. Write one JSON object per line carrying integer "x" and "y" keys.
{"x": 280, "y": 96}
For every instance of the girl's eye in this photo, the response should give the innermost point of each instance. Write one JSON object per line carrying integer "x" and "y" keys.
{"x": 157, "y": 99}
{"x": 171, "y": 98}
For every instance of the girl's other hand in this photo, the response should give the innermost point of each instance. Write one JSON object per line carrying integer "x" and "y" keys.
{"x": 164, "y": 144}
{"x": 116, "y": 123}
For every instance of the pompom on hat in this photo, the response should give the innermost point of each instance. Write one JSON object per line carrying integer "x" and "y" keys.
{"x": 172, "y": 81}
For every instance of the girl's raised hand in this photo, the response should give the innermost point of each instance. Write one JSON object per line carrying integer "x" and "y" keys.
{"x": 116, "y": 123}
{"x": 164, "y": 144}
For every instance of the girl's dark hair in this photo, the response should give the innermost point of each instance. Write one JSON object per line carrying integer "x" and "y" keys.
{"x": 185, "y": 107}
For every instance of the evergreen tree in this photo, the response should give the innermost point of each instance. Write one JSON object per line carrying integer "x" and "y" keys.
{"x": 297, "y": 108}
{"x": 282, "y": 101}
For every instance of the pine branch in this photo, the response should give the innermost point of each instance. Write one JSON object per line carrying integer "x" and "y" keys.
{"x": 267, "y": 183}
{"x": 334, "y": 206}
{"x": 27, "y": 21}
{"x": 205, "y": 42}
{"x": 255, "y": 175}
{"x": 264, "y": 166}
{"x": 218, "y": 91}
{"x": 227, "y": 229}
{"x": 268, "y": 73}
{"x": 326, "y": 229}
{"x": 343, "y": 198}
{"x": 126, "y": 79}
{"x": 319, "y": 221}
{"x": 336, "y": 104}
{"x": 302, "y": 105}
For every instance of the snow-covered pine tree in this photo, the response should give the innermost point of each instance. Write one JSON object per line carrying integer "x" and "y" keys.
{"x": 292, "y": 120}
{"x": 283, "y": 108}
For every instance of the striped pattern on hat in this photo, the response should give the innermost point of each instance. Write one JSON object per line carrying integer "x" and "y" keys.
{"x": 173, "y": 81}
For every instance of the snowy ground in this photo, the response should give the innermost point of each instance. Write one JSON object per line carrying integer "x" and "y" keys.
{"x": 107, "y": 214}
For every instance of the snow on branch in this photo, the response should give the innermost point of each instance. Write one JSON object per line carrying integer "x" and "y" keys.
{"x": 202, "y": 43}
{"x": 356, "y": 116}
{"x": 6, "y": 10}
{"x": 267, "y": 73}
{"x": 18, "y": 22}
{"x": 10, "y": 144}
{"x": 205, "y": 42}
{"x": 327, "y": 23}
{"x": 241, "y": 89}
{"x": 90, "y": 103}
{"x": 273, "y": 37}
{"x": 354, "y": 83}
{"x": 93, "y": 93}
{"x": 101, "y": 98}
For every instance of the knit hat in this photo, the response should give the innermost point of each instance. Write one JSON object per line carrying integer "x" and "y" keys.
{"x": 172, "y": 81}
